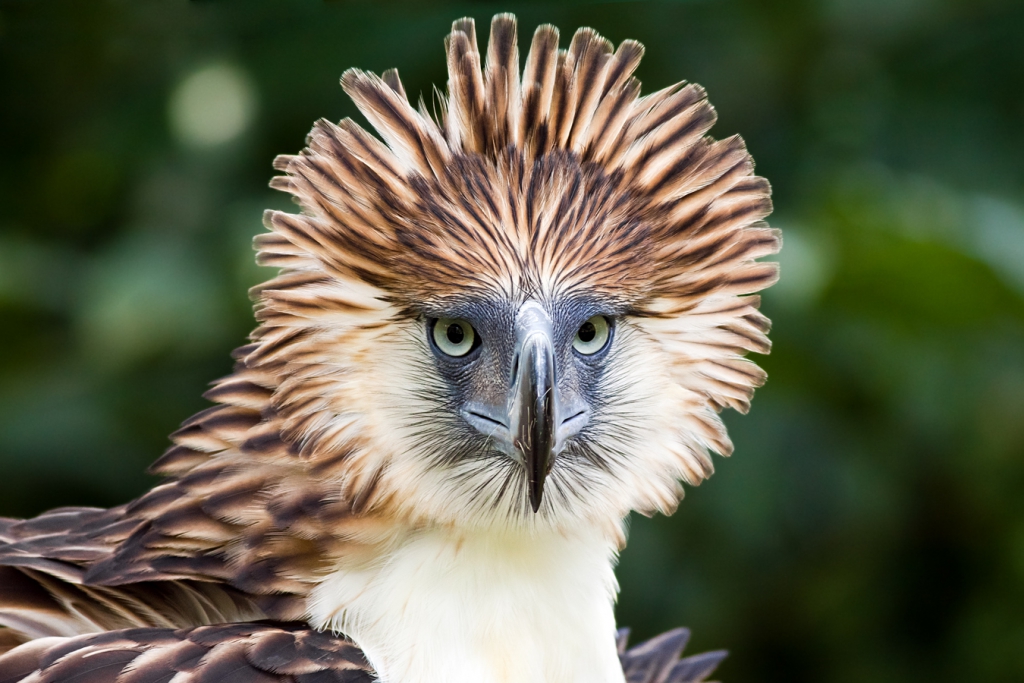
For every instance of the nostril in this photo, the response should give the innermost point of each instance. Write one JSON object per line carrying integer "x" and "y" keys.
{"x": 515, "y": 366}
{"x": 488, "y": 418}
{"x": 570, "y": 428}
{"x": 573, "y": 417}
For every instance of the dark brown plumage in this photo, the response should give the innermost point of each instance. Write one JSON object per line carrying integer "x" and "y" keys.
{"x": 273, "y": 652}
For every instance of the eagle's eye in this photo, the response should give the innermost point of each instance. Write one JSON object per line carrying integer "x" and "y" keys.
{"x": 592, "y": 336}
{"x": 454, "y": 337}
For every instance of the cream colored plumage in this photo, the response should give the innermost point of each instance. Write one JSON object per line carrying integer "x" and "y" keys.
{"x": 429, "y": 446}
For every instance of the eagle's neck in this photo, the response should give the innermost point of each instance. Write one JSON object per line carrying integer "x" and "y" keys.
{"x": 480, "y": 607}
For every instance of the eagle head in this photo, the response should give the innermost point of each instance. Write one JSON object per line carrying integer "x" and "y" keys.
{"x": 527, "y": 309}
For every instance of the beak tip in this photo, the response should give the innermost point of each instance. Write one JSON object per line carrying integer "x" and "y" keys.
{"x": 536, "y": 490}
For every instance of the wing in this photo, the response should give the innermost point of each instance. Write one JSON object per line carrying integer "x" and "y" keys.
{"x": 225, "y": 653}
{"x": 244, "y": 526}
{"x": 270, "y": 652}
{"x": 657, "y": 660}
{"x": 238, "y": 531}
{"x": 241, "y": 504}
{"x": 43, "y": 562}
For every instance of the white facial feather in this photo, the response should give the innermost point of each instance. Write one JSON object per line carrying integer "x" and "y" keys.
{"x": 388, "y": 392}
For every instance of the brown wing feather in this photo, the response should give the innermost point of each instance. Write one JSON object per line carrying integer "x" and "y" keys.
{"x": 35, "y": 604}
{"x": 222, "y": 653}
{"x": 270, "y": 652}
{"x": 44, "y": 592}
{"x": 657, "y": 660}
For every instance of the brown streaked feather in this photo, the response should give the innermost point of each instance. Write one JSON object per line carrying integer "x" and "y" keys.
{"x": 463, "y": 124}
{"x": 223, "y": 653}
{"x": 502, "y": 85}
{"x": 591, "y": 57}
{"x": 390, "y": 77}
{"x": 273, "y": 652}
{"x": 415, "y": 139}
{"x": 537, "y": 89}
{"x": 608, "y": 124}
{"x": 37, "y": 603}
{"x": 563, "y": 103}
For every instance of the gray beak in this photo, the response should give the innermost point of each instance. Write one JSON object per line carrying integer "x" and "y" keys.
{"x": 533, "y": 399}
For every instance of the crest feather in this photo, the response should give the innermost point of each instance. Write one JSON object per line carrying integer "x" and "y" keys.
{"x": 529, "y": 178}
{"x": 503, "y": 104}
{"x": 538, "y": 88}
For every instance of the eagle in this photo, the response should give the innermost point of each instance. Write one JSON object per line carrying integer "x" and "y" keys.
{"x": 498, "y": 327}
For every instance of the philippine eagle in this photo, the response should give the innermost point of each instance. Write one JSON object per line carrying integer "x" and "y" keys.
{"x": 494, "y": 333}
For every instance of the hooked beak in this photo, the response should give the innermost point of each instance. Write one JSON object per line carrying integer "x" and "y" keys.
{"x": 532, "y": 402}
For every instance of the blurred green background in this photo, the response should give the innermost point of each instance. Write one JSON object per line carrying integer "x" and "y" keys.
{"x": 870, "y": 526}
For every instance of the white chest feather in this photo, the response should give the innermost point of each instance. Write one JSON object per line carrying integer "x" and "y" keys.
{"x": 447, "y": 607}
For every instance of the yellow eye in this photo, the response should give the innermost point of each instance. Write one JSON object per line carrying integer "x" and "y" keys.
{"x": 592, "y": 335}
{"x": 454, "y": 337}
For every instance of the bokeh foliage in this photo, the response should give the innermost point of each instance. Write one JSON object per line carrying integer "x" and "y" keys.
{"x": 870, "y": 525}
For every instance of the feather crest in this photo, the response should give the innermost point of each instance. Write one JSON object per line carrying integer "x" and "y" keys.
{"x": 542, "y": 171}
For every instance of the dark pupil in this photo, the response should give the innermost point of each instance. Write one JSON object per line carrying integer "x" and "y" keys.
{"x": 587, "y": 332}
{"x": 455, "y": 333}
